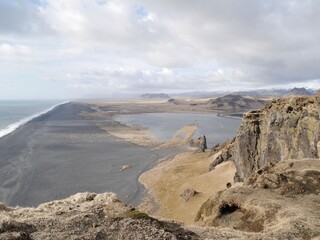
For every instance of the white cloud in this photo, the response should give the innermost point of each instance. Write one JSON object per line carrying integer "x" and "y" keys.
{"x": 163, "y": 45}
{"x": 14, "y": 52}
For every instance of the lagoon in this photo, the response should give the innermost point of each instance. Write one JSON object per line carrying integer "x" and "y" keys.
{"x": 165, "y": 125}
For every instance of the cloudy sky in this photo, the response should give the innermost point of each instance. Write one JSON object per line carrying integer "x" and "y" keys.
{"x": 104, "y": 48}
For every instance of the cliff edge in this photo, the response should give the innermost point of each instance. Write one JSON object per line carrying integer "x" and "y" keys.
{"x": 276, "y": 189}
{"x": 286, "y": 128}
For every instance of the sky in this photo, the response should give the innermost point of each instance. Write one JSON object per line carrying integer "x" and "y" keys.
{"x": 111, "y": 48}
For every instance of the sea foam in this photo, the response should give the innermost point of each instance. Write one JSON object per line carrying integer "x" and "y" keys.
{"x": 14, "y": 126}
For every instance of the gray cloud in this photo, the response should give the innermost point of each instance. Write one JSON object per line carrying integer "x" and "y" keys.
{"x": 20, "y": 18}
{"x": 205, "y": 44}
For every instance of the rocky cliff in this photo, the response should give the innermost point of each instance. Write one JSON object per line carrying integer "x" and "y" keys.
{"x": 279, "y": 201}
{"x": 285, "y": 129}
{"x": 276, "y": 154}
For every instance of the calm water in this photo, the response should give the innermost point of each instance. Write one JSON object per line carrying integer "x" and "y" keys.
{"x": 165, "y": 125}
{"x": 14, "y": 113}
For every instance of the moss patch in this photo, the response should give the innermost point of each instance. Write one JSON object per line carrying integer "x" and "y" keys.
{"x": 138, "y": 215}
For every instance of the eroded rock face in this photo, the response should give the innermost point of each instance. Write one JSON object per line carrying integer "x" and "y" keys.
{"x": 285, "y": 129}
{"x": 200, "y": 143}
{"x": 85, "y": 216}
{"x": 226, "y": 151}
{"x": 278, "y": 201}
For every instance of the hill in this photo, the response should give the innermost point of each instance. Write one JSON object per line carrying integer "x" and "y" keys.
{"x": 235, "y": 102}
{"x": 298, "y": 92}
{"x": 155, "y": 95}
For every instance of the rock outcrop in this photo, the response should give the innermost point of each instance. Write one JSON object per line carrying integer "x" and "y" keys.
{"x": 286, "y": 128}
{"x": 85, "y": 216}
{"x": 291, "y": 177}
{"x": 188, "y": 193}
{"x": 224, "y": 155}
{"x": 200, "y": 143}
{"x": 278, "y": 201}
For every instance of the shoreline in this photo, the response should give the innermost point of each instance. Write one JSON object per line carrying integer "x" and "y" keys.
{"x": 224, "y": 115}
{"x": 151, "y": 203}
{"x": 61, "y": 153}
{"x": 65, "y": 151}
{"x": 16, "y": 125}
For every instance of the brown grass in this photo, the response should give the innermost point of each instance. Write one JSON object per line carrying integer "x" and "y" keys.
{"x": 169, "y": 179}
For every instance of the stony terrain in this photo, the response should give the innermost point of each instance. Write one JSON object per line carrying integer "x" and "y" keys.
{"x": 279, "y": 201}
{"x": 85, "y": 216}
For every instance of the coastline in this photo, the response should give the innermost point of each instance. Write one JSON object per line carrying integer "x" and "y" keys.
{"x": 154, "y": 177}
{"x": 71, "y": 148}
{"x": 15, "y": 125}
{"x": 61, "y": 153}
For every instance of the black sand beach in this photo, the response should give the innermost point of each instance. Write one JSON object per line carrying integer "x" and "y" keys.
{"x": 61, "y": 153}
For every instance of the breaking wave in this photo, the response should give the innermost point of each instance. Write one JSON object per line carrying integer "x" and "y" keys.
{"x": 14, "y": 126}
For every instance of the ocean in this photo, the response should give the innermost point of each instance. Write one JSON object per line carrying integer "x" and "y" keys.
{"x": 14, "y": 113}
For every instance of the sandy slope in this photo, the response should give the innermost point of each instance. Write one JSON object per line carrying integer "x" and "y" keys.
{"x": 167, "y": 181}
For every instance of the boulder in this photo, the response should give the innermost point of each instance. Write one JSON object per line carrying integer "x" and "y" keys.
{"x": 188, "y": 193}
{"x": 200, "y": 143}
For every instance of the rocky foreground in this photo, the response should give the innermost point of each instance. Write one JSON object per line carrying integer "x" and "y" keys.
{"x": 85, "y": 216}
{"x": 279, "y": 201}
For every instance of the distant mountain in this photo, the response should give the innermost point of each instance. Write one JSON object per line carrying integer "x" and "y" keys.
{"x": 201, "y": 94}
{"x": 299, "y": 92}
{"x": 277, "y": 92}
{"x": 263, "y": 93}
{"x": 155, "y": 95}
{"x": 236, "y": 102}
